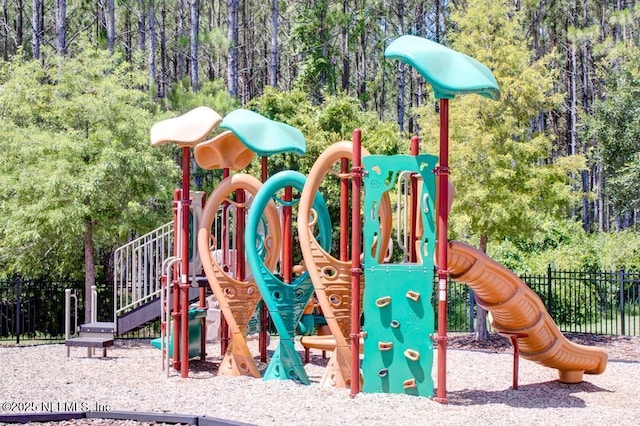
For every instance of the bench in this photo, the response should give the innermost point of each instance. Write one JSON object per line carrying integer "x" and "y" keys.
{"x": 89, "y": 343}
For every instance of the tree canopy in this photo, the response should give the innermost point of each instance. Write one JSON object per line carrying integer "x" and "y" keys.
{"x": 77, "y": 165}
{"x": 506, "y": 183}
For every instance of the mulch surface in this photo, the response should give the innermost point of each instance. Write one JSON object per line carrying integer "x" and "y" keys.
{"x": 621, "y": 348}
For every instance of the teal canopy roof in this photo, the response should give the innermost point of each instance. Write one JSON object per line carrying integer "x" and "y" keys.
{"x": 264, "y": 136}
{"x": 450, "y": 73}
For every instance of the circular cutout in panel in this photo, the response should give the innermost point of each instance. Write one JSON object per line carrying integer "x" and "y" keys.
{"x": 244, "y": 367}
{"x": 277, "y": 296}
{"x": 299, "y": 294}
{"x": 335, "y": 299}
{"x": 329, "y": 272}
{"x": 251, "y": 290}
{"x": 230, "y": 292}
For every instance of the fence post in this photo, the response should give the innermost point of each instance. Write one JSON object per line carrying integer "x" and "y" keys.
{"x": 17, "y": 327}
{"x": 621, "y": 283}
{"x": 472, "y": 302}
{"x": 549, "y": 297}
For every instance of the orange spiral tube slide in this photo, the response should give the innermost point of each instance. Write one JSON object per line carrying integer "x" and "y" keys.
{"x": 516, "y": 309}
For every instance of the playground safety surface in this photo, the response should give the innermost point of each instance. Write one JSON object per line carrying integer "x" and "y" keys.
{"x": 478, "y": 384}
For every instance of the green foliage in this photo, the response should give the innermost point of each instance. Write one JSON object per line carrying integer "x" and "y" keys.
{"x": 332, "y": 121}
{"x": 75, "y": 151}
{"x": 564, "y": 245}
{"x": 615, "y": 125}
{"x": 572, "y": 305}
{"x": 506, "y": 185}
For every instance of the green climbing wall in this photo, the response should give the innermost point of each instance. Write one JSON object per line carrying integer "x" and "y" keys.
{"x": 398, "y": 314}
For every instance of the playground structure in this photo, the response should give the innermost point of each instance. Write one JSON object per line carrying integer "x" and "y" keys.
{"x": 394, "y": 299}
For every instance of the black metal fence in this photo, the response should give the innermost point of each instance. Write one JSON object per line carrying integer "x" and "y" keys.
{"x": 34, "y": 309}
{"x": 579, "y": 302}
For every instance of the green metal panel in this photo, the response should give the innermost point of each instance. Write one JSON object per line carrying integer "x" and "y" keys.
{"x": 263, "y": 136}
{"x": 450, "y": 72}
{"x": 398, "y": 315}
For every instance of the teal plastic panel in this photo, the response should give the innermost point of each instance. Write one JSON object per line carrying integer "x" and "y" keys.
{"x": 286, "y": 302}
{"x": 450, "y": 72}
{"x": 264, "y": 136}
{"x": 398, "y": 314}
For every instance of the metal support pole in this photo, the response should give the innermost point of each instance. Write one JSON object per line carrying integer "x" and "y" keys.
{"x": 18, "y": 308}
{"x": 344, "y": 210}
{"x": 264, "y": 311}
{"x": 443, "y": 274}
{"x": 224, "y": 327}
{"x": 175, "y": 283}
{"x": 623, "y": 327}
{"x": 356, "y": 270}
{"x": 184, "y": 267}
{"x": 413, "y": 257}
{"x": 287, "y": 237}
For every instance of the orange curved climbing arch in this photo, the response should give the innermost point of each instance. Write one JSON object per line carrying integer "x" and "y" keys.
{"x": 237, "y": 299}
{"x": 331, "y": 277}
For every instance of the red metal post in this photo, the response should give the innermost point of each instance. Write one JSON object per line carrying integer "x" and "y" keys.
{"x": 344, "y": 210}
{"x": 287, "y": 240}
{"x": 175, "y": 282}
{"x": 413, "y": 257}
{"x": 356, "y": 270}
{"x": 184, "y": 259}
{"x": 264, "y": 312}
{"x": 203, "y": 305}
{"x": 224, "y": 236}
{"x": 240, "y": 226}
{"x": 442, "y": 172}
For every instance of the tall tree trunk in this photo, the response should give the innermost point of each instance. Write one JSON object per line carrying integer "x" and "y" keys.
{"x": 232, "y": 64}
{"x": 401, "y": 70}
{"x": 179, "y": 35}
{"x": 362, "y": 68}
{"x": 89, "y": 268}
{"x": 152, "y": 44}
{"x": 20, "y": 25}
{"x": 481, "y": 333}
{"x": 243, "y": 57}
{"x": 128, "y": 36}
{"x": 61, "y": 27}
{"x": 346, "y": 71}
{"x": 383, "y": 92}
{"x": 36, "y": 19}
{"x": 110, "y": 20}
{"x": 5, "y": 30}
{"x": 142, "y": 27}
{"x": 273, "y": 66}
{"x": 195, "y": 23}
{"x": 438, "y": 17}
{"x": 162, "y": 86}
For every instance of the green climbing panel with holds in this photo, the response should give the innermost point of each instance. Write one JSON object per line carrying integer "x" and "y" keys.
{"x": 398, "y": 314}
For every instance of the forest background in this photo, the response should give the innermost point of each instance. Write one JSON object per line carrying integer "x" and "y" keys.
{"x": 549, "y": 174}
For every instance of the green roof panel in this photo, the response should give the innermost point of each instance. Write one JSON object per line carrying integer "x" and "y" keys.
{"x": 263, "y": 136}
{"x": 450, "y": 72}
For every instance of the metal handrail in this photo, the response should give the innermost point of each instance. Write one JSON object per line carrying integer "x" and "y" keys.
{"x": 137, "y": 268}
{"x": 165, "y": 315}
